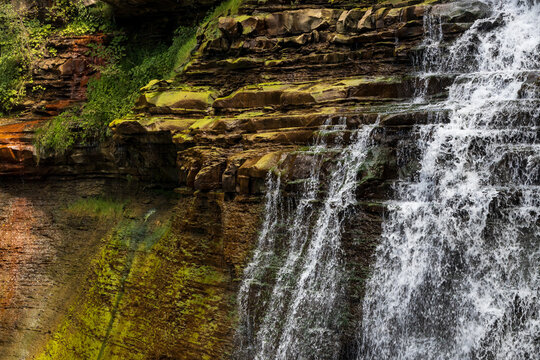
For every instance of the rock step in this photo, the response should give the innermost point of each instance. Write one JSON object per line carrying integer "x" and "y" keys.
{"x": 196, "y": 102}
{"x": 16, "y": 148}
{"x": 295, "y": 41}
{"x": 250, "y": 122}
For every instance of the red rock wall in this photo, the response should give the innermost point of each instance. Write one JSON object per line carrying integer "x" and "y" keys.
{"x": 59, "y": 80}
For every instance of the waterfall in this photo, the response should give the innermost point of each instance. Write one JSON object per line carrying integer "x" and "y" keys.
{"x": 291, "y": 299}
{"x": 457, "y": 272}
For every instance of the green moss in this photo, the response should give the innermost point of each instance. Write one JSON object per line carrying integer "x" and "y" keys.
{"x": 199, "y": 98}
{"x": 204, "y": 123}
{"x": 96, "y": 206}
{"x": 89, "y": 325}
{"x": 181, "y": 137}
{"x": 149, "y": 293}
{"x": 81, "y": 334}
{"x": 183, "y": 54}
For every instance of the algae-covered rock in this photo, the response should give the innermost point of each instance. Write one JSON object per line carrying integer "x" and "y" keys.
{"x": 127, "y": 127}
{"x": 250, "y": 99}
{"x": 196, "y": 99}
{"x": 305, "y": 94}
{"x": 161, "y": 286}
{"x": 285, "y": 137}
{"x": 258, "y": 167}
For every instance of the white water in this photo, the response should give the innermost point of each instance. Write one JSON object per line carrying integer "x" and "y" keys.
{"x": 457, "y": 274}
{"x": 291, "y": 298}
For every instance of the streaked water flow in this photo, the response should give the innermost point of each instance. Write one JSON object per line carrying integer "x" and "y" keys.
{"x": 457, "y": 274}
{"x": 291, "y": 297}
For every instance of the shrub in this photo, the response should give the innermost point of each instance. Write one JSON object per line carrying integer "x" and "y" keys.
{"x": 113, "y": 95}
{"x": 23, "y": 40}
{"x": 73, "y": 18}
{"x": 15, "y": 55}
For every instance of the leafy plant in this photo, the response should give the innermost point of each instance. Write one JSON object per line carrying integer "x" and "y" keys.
{"x": 23, "y": 40}
{"x": 113, "y": 94}
{"x": 57, "y": 134}
{"x": 75, "y": 19}
{"x": 15, "y": 55}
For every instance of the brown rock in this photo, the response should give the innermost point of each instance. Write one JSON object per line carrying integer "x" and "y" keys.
{"x": 209, "y": 177}
{"x": 367, "y": 22}
{"x": 230, "y": 27}
{"x": 298, "y": 21}
{"x": 348, "y": 21}
{"x": 296, "y": 98}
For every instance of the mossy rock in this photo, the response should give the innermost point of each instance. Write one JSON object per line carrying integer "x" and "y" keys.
{"x": 193, "y": 99}
{"x": 280, "y": 94}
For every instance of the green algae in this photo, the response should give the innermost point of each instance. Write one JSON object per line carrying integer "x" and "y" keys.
{"x": 194, "y": 97}
{"x": 96, "y": 206}
{"x": 181, "y": 137}
{"x": 204, "y": 123}
{"x": 149, "y": 293}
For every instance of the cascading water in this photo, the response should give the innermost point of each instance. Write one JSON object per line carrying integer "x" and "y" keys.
{"x": 457, "y": 274}
{"x": 291, "y": 298}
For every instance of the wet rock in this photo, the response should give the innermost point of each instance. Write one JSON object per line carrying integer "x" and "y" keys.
{"x": 185, "y": 99}
{"x": 461, "y": 11}
{"x": 297, "y": 22}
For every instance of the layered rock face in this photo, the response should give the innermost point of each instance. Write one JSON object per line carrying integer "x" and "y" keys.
{"x": 263, "y": 82}
{"x": 269, "y": 75}
{"x": 45, "y": 250}
{"x": 59, "y": 80}
{"x": 259, "y": 88}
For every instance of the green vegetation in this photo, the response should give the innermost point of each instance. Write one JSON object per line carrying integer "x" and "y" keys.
{"x": 77, "y": 19}
{"x": 97, "y": 206}
{"x": 146, "y": 289}
{"x": 112, "y": 95}
{"x": 15, "y": 56}
{"x": 24, "y": 37}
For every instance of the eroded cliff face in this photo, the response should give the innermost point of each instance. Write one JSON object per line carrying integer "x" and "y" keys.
{"x": 59, "y": 80}
{"x": 261, "y": 83}
{"x": 164, "y": 288}
{"x": 258, "y": 89}
{"x": 98, "y": 269}
{"x": 46, "y": 249}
